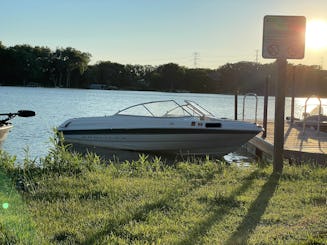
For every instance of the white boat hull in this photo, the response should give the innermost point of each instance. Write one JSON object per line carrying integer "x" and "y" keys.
{"x": 216, "y": 143}
{"x": 4, "y": 130}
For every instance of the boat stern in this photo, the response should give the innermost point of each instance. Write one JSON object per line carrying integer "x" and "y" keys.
{"x": 4, "y": 130}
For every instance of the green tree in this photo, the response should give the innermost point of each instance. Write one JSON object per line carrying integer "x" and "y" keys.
{"x": 199, "y": 80}
{"x": 138, "y": 75}
{"x": 65, "y": 62}
{"x": 168, "y": 77}
{"x": 112, "y": 74}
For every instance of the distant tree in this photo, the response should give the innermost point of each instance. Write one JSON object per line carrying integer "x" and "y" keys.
{"x": 21, "y": 64}
{"x": 111, "y": 74}
{"x": 41, "y": 65}
{"x": 89, "y": 76}
{"x": 74, "y": 60}
{"x": 245, "y": 77}
{"x": 138, "y": 75}
{"x": 229, "y": 78}
{"x": 57, "y": 68}
{"x": 3, "y": 60}
{"x": 169, "y": 76}
{"x": 65, "y": 62}
{"x": 198, "y": 80}
{"x": 137, "y": 72}
{"x": 68, "y": 67}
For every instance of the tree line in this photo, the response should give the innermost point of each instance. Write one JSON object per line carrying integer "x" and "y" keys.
{"x": 24, "y": 65}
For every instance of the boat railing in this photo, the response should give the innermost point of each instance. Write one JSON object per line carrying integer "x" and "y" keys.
{"x": 184, "y": 108}
{"x": 196, "y": 107}
{"x": 306, "y": 114}
{"x": 146, "y": 106}
{"x": 256, "y": 106}
{"x": 189, "y": 108}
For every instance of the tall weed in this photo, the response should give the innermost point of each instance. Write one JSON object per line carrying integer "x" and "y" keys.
{"x": 61, "y": 161}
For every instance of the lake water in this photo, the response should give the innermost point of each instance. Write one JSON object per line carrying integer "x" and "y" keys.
{"x": 54, "y": 105}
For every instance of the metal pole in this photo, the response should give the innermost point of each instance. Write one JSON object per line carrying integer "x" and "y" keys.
{"x": 265, "y": 108}
{"x": 235, "y": 104}
{"x": 279, "y": 116}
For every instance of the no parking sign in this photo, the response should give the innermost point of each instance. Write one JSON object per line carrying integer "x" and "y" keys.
{"x": 283, "y": 37}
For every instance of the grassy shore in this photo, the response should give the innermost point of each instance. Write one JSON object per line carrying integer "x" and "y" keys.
{"x": 72, "y": 199}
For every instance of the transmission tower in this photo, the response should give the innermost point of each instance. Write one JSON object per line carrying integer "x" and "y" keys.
{"x": 195, "y": 59}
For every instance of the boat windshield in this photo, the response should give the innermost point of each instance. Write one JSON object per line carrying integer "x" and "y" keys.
{"x": 166, "y": 108}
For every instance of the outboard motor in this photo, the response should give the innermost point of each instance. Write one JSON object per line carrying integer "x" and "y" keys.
{"x": 20, "y": 113}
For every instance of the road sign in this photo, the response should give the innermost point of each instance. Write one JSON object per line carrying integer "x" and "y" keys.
{"x": 283, "y": 37}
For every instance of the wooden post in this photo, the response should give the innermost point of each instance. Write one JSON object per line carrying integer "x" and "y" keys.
{"x": 279, "y": 116}
{"x": 265, "y": 108}
{"x": 293, "y": 96}
{"x": 235, "y": 104}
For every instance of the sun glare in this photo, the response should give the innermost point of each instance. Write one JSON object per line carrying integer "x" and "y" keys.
{"x": 316, "y": 34}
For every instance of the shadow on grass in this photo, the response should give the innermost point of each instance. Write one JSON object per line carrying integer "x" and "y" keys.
{"x": 164, "y": 204}
{"x": 255, "y": 212}
{"x": 225, "y": 207}
{"x": 115, "y": 226}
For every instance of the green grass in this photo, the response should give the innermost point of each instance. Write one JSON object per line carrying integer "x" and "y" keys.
{"x": 16, "y": 225}
{"x": 77, "y": 200}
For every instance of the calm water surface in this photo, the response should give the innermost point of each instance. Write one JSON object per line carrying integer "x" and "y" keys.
{"x": 53, "y": 106}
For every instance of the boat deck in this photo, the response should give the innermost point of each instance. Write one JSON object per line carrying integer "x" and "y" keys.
{"x": 299, "y": 145}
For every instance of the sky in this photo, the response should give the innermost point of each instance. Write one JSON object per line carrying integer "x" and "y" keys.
{"x": 191, "y": 33}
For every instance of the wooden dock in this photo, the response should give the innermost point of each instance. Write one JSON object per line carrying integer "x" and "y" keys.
{"x": 299, "y": 146}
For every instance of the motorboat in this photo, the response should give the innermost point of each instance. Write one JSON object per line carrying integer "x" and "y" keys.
{"x": 164, "y": 127}
{"x": 315, "y": 119}
{"x": 6, "y": 125}
{"x": 317, "y": 122}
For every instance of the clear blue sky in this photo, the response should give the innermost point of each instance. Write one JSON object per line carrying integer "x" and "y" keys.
{"x": 154, "y": 32}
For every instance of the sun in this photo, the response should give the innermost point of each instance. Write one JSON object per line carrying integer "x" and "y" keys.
{"x": 316, "y": 34}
